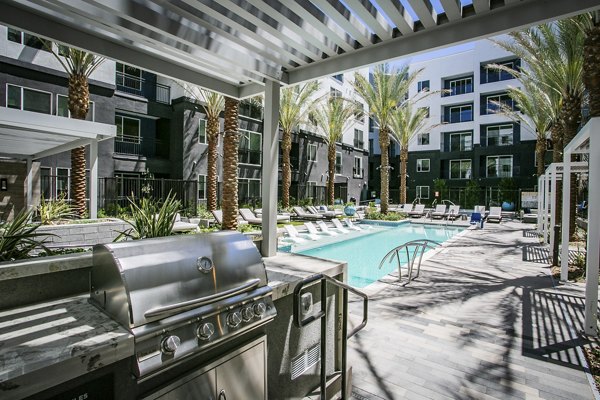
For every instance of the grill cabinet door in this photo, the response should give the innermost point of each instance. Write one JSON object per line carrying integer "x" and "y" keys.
{"x": 199, "y": 388}
{"x": 244, "y": 376}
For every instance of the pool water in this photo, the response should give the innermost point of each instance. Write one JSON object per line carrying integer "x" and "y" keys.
{"x": 364, "y": 253}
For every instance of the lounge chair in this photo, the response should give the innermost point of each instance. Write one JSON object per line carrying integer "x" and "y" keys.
{"x": 293, "y": 233}
{"x": 453, "y": 212}
{"x": 218, "y": 215}
{"x": 314, "y": 210}
{"x": 280, "y": 217}
{"x": 476, "y": 218}
{"x": 439, "y": 212}
{"x": 302, "y": 214}
{"x": 312, "y": 229}
{"x": 406, "y": 208}
{"x": 180, "y": 226}
{"x": 338, "y": 225}
{"x": 325, "y": 229}
{"x": 495, "y": 214}
{"x": 351, "y": 225}
{"x": 418, "y": 211}
{"x": 480, "y": 210}
{"x": 249, "y": 216}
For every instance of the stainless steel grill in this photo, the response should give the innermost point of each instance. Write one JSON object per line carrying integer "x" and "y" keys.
{"x": 180, "y": 296}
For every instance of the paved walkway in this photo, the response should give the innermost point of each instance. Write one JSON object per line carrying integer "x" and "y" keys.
{"x": 479, "y": 323}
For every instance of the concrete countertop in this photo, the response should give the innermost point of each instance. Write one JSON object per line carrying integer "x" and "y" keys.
{"x": 47, "y": 344}
{"x": 44, "y": 265}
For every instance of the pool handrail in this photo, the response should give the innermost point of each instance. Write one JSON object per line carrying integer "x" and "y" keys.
{"x": 419, "y": 244}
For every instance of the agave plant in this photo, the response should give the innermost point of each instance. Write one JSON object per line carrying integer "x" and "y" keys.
{"x": 19, "y": 238}
{"x": 150, "y": 218}
{"x": 54, "y": 210}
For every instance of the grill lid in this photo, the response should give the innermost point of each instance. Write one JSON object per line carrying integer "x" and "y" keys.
{"x": 139, "y": 282}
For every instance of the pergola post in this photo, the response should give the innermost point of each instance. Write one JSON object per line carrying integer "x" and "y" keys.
{"x": 566, "y": 206}
{"x": 593, "y": 238}
{"x": 93, "y": 179}
{"x": 553, "y": 200}
{"x": 546, "y": 204}
{"x": 540, "y": 206}
{"x": 270, "y": 152}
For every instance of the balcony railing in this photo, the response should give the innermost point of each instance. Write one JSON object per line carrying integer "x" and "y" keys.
{"x": 246, "y": 156}
{"x": 126, "y": 144}
{"x": 139, "y": 86}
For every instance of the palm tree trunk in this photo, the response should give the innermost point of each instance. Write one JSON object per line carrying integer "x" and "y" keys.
{"x": 331, "y": 173}
{"x": 79, "y": 99}
{"x": 212, "y": 127}
{"x": 231, "y": 141}
{"x": 557, "y": 146}
{"x": 591, "y": 69}
{"x": 286, "y": 168}
{"x": 403, "y": 161}
{"x": 540, "y": 153}
{"x": 571, "y": 117}
{"x": 384, "y": 144}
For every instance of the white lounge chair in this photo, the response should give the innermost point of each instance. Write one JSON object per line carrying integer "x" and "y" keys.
{"x": 218, "y": 215}
{"x": 316, "y": 211}
{"x": 439, "y": 212}
{"x": 495, "y": 214}
{"x": 249, "y": 216}
{"x": 406, "y": 208}
{"x": 480, "y": 210}
{"x": 293, "y": 233}
{"x": 325, "y": 229}
{"x": 453, "y": 212}
{"x": 338, "y": 225}
{"x": 180, "y": 226}
{"x": 302, "y": 214}
{"x": 351, "y": 225}
{"x": 418, "y": 211}
{"x": 312, "y": 229}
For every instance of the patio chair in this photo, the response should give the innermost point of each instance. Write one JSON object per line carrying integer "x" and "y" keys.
{"x": 249, "y": 216}
{"x": 418, "y": 211}
{"x": 338, "y": 225}
{"x": 280, "y": 217}
{"x": 351, "y": 225}
{"x": 180, "y": 226}
{"x": 316, "y": 211}
{"x": 480, "y": 210}
{"x": 302, "y": 214}
{"x": 293, "y": 233}
{"x": 218, "y": 215}
{"x": 495, "y": 214}
{"x": 406, "y": 208}
{"x": 476, "y": 218}
{"x": 325, "y": 229}
{"x": 312, "y": 229}
{"x": 439, "y": 212}
{"x": 453, "y": 212}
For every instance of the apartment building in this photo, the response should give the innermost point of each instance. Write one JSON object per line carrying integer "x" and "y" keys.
{"x": 467, "y": 139}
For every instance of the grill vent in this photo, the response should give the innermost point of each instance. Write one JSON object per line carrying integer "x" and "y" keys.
{"x": 305, "y": 361}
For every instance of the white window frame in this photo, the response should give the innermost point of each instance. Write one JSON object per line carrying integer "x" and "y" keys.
{"x": 22, "y": 40}
{"x": 358, "y": 171}
{"x": 469, "y": 172}
{"x": 205, "y": 135}
{"x": 308, "y": 152}
{"x": 22, "y": 88}
{"x": 91, "y": 108}
{"x": 139, "y": 138}
{"x": 420, "y": 87}
{"x": 420, "y": 165}
{"x": 204, "y": 186}
{"x": 420, "y": 137}
{"x": 420, "y": 192}
{"x": 500, "y": 127}
{"x": 460, "y": 134}
{"x": 340, "y": 166}
{"x": 497, "y": 158}
{"x": 247, "y": 180}
{"x": 460, "y": 107}
{"x": 453, "y": 83}
{"x": 56, "y": 192}
{"x": 249, "y": 132}
{"x": 124, "y": 75}
{"x": 360, "y": 134}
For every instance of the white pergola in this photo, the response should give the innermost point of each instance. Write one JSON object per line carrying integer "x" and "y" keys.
{"x": 241, "y": 48}
{"x": 29, "y": 136}
{"x": 587, "y": 141}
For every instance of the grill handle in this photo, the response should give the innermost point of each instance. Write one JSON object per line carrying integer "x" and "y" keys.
{"x": 251, "y": 284}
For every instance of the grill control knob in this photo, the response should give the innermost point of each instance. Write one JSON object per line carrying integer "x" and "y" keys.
{"x": 205, "y": 331}
{"x": 259, "y": 309}
{"x": 170, "y": 344}
{"x": 247, "y": 313}
{"x": 234, "y": 319}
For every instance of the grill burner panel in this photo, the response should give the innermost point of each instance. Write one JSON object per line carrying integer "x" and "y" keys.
{"x": 180, "y": 296}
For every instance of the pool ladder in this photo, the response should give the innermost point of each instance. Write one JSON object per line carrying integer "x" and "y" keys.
{"x": 414, "y": 248}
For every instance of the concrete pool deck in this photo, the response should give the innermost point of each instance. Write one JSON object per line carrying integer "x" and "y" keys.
{"x": 479, "y": 323}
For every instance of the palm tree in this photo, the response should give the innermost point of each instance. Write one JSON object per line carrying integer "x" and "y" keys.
{"x": 406, "y": 124}
{"x": 231, "y": 140}
{"x": 295, "y": 106}
{"x": 78, "y": 65}
{"x": 332, "y": 119}
{"x": 389, "y": 88}
{"x": 213, "y": 104}
{"x": 591, "y": 62}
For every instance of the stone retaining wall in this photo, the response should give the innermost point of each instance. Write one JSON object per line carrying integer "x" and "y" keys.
{"x": 83, "y": 234}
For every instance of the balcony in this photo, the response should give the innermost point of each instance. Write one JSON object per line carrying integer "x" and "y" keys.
{"x": 153, "y": 91}
{"x": 142, "y": 147}
{"x": 246, "y": 156}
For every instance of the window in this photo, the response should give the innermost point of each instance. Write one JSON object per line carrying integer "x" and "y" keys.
{"x": 311, "y": 189}
{"x": 62, "y": 183}
{"x": 423, "y": 192}
{"x": 359, "y": 114}
{"x": 423, "y": 139}
{"x": 460, "y": 169}
{"x": 499, "y": 166}
{"x": 26, "y": 99}
{"x": 494, "y": 103}
{"x": 489, "y": 75}
{"x": 423, "y": 85}
{"x": 62, "y": 108}
{"x": 202, "y": 131}
{"x": 128, "y": 129}
{"x": 45, "y": 182}
{"x": 249, "y": 151}
{"x": 500, "y": 135}
{"x": 311, "y": 153}
{"x": 201, "y": 187}
{"x": 423, "y": 165}
{"x": 426, "y": 111}
{"x": 338, "y": 162}
{"x": 28, "y": 40}
{"x": 357, "y": 172}
{"x": 370, "y": 146}
{"x": 129, "y": 77}
{"x": 248, "y": 190}
{"x": 461, "y": 141}
{"x": 333, "y": 92}
{"x": 460, "y": 113}
{"x": 358, "y": 139}
{"x": 458, "y": 86}
{"x": 338, "y": 77}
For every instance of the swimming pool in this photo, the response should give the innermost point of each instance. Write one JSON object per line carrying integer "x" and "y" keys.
{"x": 363, "y": 253}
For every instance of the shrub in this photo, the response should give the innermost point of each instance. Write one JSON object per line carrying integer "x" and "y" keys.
{"x": 52, "y": 211}
{"x": 150, "y": 218}
{"x": 18, "y": 238}
{"x": 202, "y": 212}
{"x": 390, "y": 216}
